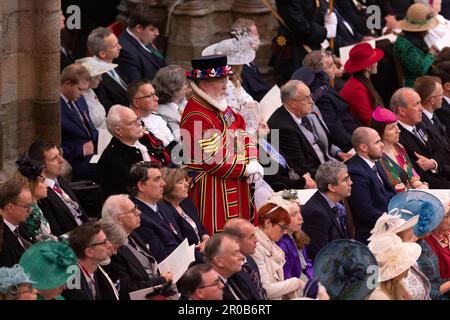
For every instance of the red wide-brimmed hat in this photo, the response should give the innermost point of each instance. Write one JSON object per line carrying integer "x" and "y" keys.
{"x": 362, "y": 56}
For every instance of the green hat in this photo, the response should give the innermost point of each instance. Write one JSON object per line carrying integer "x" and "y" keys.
{"x": 48, "y": 264}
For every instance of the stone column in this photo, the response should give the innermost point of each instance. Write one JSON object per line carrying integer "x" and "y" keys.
{"x": 267, "y": 25}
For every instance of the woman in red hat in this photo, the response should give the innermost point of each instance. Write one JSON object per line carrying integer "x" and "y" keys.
{"x": 358, "y": 91}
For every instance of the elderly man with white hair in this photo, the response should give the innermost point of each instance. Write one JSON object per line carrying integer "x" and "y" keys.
{"x": 128, "y": 146}
{"x": 132, "y": 263}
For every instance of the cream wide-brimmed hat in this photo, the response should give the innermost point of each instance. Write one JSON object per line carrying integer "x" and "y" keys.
{"x": 238, "y": 50}
{"x": 96, "y": 67}
{"x": 392, "y": 223}
{"x": 419, "y": 17}
{"x": 393, "y": 255}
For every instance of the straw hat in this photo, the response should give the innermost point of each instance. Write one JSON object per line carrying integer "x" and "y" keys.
{"x": 419, "y": 17}
{"x": 393, "y": 255}
{"x": 96, "y": 67}
{"x": 392, "y": 223}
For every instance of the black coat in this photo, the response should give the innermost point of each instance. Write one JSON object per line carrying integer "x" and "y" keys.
{"x": 126, "y": 268}
{"x": 253, "y": 82}
{"x": 369, "y": 198}
{"x": 135, "y": 62}
{"x": 11, "y": 249}
{"x": 320, "y": 223}
{"x": 241, "y": 287}
{"x": 247, "y": 284}
{"x": 109, "y": 92}
{"x": 56, "y": 211}
{"x": 293, "y": 143}
{"x": 443, "y": 114}
{"x": 162, "y": 235}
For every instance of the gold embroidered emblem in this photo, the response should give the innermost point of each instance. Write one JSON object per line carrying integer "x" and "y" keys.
{"x": 281, "y": 41}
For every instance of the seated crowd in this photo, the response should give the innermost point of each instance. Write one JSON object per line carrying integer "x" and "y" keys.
{"x": 190, "y": 157}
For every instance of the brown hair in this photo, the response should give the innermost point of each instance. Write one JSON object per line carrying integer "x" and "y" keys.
{"x": 82, "y": 236}
{"x": 32, "y": 184}
{"x": 236, "y": 77}
{"x": 134, "y": 87}
{"x": 301, "y": 239}
{"x": 360, "y": 76}
{"x": 74, "y": 73}
{"x": 425, "y": 86}
{"x": 171, "y": 176}
{"x": 268, "y": 213}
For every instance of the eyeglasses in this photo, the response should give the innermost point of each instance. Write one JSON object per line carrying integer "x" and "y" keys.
{"x": 346, "y": 179}
{"x": 103, "y": 243}
{"x": 27, "y": 207}
{"x": 282, "y": 226}
{"x": 216, "y": 283}
{"x": 135, "y": 211}
{"x": 308, "y": 97}
{"x": 135, "y": 123}
{"x": 150, "y": 96}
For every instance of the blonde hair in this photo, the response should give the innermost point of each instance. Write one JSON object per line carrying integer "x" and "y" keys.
{"x": 236, "y": 77}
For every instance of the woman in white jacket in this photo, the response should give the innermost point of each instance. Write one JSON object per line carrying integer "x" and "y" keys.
{"x": 273, "y": 222}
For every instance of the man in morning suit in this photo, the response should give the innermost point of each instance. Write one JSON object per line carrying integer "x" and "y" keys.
{"x": 430, "y": 159}
{"x": 104, "y": 45}
{"x": 61, "y": 207}
{"x": 92, "y": 248}
{"x": 324, "y": 215}
{"x": 79, "y": 136}
{"x": 15, "y": 207}
{"x": 222, "y": 252}
{"x": 139, "y": 59}
{"x": 249, "y": 276}
{"x": 371, "y": 190}
{"x": 442, "y": 71}
{"x": 159, "y": 228}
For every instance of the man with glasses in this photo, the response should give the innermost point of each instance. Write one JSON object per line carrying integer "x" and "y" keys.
{"x": 92, "y": 248}
{"x": 324, "y": 215}
{"x": 201, "y": 282}
{"x": 79, "y": 136}
{"x": 15, "y": 207}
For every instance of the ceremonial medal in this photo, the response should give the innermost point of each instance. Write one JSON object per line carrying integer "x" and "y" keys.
{"x": 228, "y": 117}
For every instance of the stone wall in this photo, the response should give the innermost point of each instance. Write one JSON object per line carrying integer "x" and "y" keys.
{"x": 29, "y": 75}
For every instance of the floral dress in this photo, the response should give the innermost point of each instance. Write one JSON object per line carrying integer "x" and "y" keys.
{"x": 401, "y": 170}
{"x": 36, "y": 228}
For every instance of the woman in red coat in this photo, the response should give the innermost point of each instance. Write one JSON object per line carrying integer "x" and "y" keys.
{"x": 358, "y": 91}
{"x": 439, "y": 241}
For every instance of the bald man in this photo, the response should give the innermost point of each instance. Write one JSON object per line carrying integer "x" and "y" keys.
{"x": 371, "y": 189}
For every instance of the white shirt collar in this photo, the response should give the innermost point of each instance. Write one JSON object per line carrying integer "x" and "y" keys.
{"x": 447, "y": 99}
{"x": 369, "y": 162}
{"x": 64, "y": 98}
{"x": 50, "y": 183}
{"x": 428, "y": 114}
{"x": 297, "y": 120}
{"x": 406, "y": 126}
{"x": 152, "y": 206}
{"x": 137, "y": 39}
{"x": 11, "y": 226}
{"x": 172, "y": 105}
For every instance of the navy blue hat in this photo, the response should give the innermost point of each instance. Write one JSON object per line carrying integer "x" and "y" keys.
{"x": 317, "y": 82}
{"x": 208, "y": 67}
{"x": 344, "y": 267}
{"x": 429, "y": 208}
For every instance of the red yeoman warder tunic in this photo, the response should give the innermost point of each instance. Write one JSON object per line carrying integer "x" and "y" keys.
{"x": 217, "y": 151}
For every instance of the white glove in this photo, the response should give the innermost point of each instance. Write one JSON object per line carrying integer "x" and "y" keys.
{"x": 254, "y": 168}
{"x": 330, "y": 21}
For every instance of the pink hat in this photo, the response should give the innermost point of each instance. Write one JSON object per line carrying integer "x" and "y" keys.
{"x": 384, "y": 115}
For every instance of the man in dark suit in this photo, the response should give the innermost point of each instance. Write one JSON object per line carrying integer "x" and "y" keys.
{"x": 201, "y": 282}
{"x": 15, "y": 207}
{"x": 442, "y": 71}
{"x": 371, "y": 190}
{"x": 92, "y": 247}
{"x": 159, "y": 228}
{"x": 223, "y": 253}
{"x": 251, "y": 78}
{"x": 66, "y": 57}
{"x": 79, "y": 136}
{"x": 61, "y": 207}
{"x": 249, "y": 276}
{"x": 139, "y": 59}
{"x": 429, "y": 156}
{"x": 104, "y": 45}
{"x": 287, "y": 122}
{"x": 324, "y": 215}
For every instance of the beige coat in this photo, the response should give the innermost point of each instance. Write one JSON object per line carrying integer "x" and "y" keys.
{"x": 378, "y": 294}
{"x": 270, "y": 260}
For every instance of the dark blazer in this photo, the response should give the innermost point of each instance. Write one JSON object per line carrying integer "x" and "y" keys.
{"x": 134, "y": 61}
{"x": 240, "y": 285}
{"x": 109, "y": 92}
{"x": 247, "y": 284}
{"x": 443, "y": 114}
{"x": 253, "y": 82}
{"x": 293, "y": 143}
{"x": 439, "y": 138}
{"x": 103, "y": 289}
{"x": 369, "y": 198}
{"x": 126, "y": 268}
{"x": 412, "y": 144}
{"x": 66, "y": 58}
{"x": 74, "y": 135}
{"x": 11, "y": 249}
{"x": 336, "y": 114}
{"x": 56, "y": 211}
{"x": 320, "y": 223}
{"x": 162, "y": 235}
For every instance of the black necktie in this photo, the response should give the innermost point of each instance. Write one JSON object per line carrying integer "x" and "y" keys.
{"x": 24, "y": 242}
{"x": 132, "y": 243}
{"x": 256, "y": 279}
{"x": 307, "y": 124}
{"x": 438, "y": 124}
